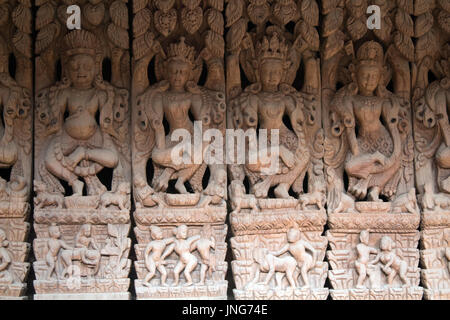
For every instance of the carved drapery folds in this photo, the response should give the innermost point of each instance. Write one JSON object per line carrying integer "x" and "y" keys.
{"x": 431, "y": 98}
{"x": 373, "y": 213}
{"x": 82, "y": 162}
{"x": 179, "y": 86}
{"x": 15, "y": 145}
{"x": 278, "y": 218}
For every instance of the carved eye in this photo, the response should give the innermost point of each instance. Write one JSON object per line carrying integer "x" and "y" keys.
{"x": 21, "y": 111}
{"x": 139, "y": 113}
{"x": 122, "y": 105}
{"x": 117, "y": 114}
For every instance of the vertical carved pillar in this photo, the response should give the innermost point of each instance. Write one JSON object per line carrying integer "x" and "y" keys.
{"x": 278, "y": 206}
{"x": 179, "y": 187}
{"x": 15, "y": 145}
{"x": 432, "y": 138}
{"x": 373, "y": 214}
{"x": 82, "y": 154}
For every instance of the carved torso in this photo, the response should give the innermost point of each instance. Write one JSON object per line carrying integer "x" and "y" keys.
{"x": 271, "y": 110}
{"x": 176, "y": 110}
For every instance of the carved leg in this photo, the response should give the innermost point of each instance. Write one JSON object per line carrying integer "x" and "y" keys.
{"x": 152, "y": 270}
{"x": 282, "y": 191}
{"x": 304, "y": 273}
{"x": 106, "y": 158}
{"x": 203, "y": 270}
{"x": 362, "y": 274}
{"x": 359, "y": 190}
{"x": 163, "y": 272}
{"x": 179, "y": 185}
{"x": 163, "y": 182}
{"x": 187, "y": 272}
{"x": 374, "y": 194}
{"x": 75, "y": 157}
{"x": 176, "y": 272}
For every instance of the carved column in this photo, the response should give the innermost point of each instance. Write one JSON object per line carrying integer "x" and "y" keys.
{"x": 82, "y": 154}
{"x": 180, "y": 192}
{"x": 431, "y": 100}
{"x": 15, "y": 145}
{"x": 373, "y": 214}
{"x": 278, "y": 207}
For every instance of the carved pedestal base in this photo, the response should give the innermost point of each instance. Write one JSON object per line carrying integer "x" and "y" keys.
{"x": 204, "y": 241}
{"x": 13, "y": 249}
{"x": 81, "y": 254}
{"x": 435, "y": 255}
{"x": 261, "y": 271}
{"x": 364, "y": 244}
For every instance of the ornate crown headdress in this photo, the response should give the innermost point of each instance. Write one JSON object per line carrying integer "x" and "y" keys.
{"x": 79, "y": 42}
{"x": 181, "y": 51}
{"x": 272, "y": 48}
{"x": 370, "y": 53}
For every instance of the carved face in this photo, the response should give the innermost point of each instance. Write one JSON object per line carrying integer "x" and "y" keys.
{"x": 81, "y": 70}
{"x": 156, "y": 233}
{"x": 182, "y": 232}
{"x": 386, "y": 244}
{"x": 293, "y": 235}
{"x": 368, "y": 78}
{"x": 364, "y": 237}
{"x": 179, "y": 73}
{"x": 54, "y": 232}
{"x": 86, "y": 230}
{"x": 271, "y": 73}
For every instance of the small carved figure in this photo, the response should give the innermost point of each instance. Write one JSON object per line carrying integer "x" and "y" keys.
{"x": 86, "y": 251}
{"x": 153, "y": 255}
{"x": 55, "y": 244}
{"x": 316, "y": 197}
{"x": 46, "y": 199}
{"x": 406, "y": 202}
{"x": 431, "y": 200}
{"x": 239, "y": 198}
{"x": 5, "y": 260}
{"x": 338, "y": 200}
{"x": 119, "y": 198}
{"x": 204, "y": 246}
{"x": 183, "y": 247}
{"x": 297, "y": 248}
{"x": 363, "y": 251}
{"x": 393, "y": 265}
{"x": 270, "y": 263}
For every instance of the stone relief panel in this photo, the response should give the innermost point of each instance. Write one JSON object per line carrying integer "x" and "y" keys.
{"x": 179, "y": 91}
{"x": 431, "y": 97}
{"x": 369, "y": 152}
{"x": 82, "y": 153}
{"x": 15, "y": 145}
{"x": 273, "y": 89}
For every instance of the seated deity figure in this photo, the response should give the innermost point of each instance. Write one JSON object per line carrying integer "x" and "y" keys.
{"x": 79, "y": 146}
{"x": 263, "y": 105}
{"x": 174, "y": 99}
{"x": 373, "y": 124}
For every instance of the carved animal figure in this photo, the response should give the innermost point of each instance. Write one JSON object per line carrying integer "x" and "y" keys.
{"x": 46, "y": 199}
{"x": 269, "y": 263}
{"x": 406, "y": 202}
{"x": 241, "y": 200}
{"x": 118, "y": 198}
{"x": 316, "y": 197}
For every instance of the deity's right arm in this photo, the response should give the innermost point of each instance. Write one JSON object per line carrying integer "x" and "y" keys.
{"x": 283, "y": 250}
{"x": 148, "y": 249}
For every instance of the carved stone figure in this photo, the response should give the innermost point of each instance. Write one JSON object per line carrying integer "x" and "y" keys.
{"x": 177, "y": 258}
{"x": 70, "y": 258}
{"x": 15, "y": 144}
{"x": 279, "y": 171}
{"x": 179, "y": 93}
{"x": 82, "y": 176}
{"x": 369, "y": 150}
{"x": 431, "y": 100}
